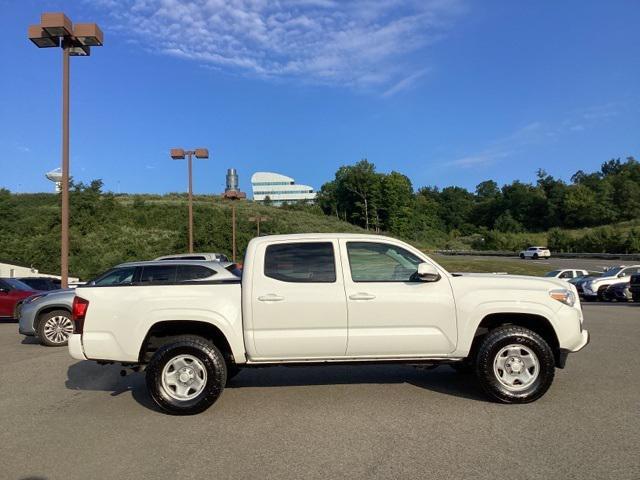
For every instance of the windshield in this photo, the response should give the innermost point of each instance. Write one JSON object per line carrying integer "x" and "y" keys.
{"x": 612, "y": 272}
{"x": 552, "y": 274}
{"x": 17, "y": 284}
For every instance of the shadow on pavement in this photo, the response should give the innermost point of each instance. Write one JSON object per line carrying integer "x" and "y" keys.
{"x": 87, "y": 375}
{"x": 31, "y": 341}
{"x": 442, "y": 379}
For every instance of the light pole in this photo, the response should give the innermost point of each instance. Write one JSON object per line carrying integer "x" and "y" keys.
{"x": 233, "y": 195}
{"x": 180, "y": 154}
{"x": 56, "y": 30}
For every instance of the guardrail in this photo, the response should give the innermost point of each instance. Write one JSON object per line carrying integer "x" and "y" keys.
{"x": 498, "y": 253}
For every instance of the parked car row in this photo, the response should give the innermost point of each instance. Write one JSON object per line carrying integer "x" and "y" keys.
{"x": 613, "y": 284}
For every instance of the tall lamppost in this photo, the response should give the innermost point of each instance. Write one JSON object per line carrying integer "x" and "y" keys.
{"x": 180, "y": 154}
{"x": 56, "y": 30}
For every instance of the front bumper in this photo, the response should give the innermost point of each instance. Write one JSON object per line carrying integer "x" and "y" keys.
{"x": 75, "y": 347}
{"x": 564, "y": 352}
{"x": 26, "y": 321}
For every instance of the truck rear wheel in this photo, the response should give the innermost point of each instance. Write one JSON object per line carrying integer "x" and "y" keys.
{"x": 186, "y": 376}
{"x": 515, "y": 365}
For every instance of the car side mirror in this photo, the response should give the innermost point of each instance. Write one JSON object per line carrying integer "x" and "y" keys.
{"x": 620, "y": 275}
{"x": 427, "y": 273}
{"x": 4, "y": 290}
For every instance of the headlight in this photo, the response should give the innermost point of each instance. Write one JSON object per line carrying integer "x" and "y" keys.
{"x": 563, "y": 295}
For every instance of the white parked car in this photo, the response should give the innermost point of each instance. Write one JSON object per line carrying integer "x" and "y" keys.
{"x": 566, "y": 274}
{"x": 324, "y": 298}
{"x": 535, "y": 253}
{"x": 211, "y": 257}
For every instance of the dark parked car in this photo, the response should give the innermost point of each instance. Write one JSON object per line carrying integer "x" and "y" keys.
{"x": 12, "y": 293}
{"x": 619, "y": 292}
{"x": 43, "y": 284}
{"x": 634, "y": 287}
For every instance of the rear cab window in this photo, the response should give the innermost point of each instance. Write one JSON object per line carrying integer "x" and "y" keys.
{"x": 302, "y": 262}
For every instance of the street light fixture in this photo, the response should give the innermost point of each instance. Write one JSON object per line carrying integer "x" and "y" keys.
{"x": 56, "y": 30}
{"x": 180, "y": 154}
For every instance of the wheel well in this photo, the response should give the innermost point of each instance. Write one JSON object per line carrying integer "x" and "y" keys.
{"x": 536, "y": 323}
{"x": 162, "y": 333}
{"x": 49, "y": 309}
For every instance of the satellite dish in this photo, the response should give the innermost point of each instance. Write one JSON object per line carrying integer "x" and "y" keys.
{"x": 55, "y": 176}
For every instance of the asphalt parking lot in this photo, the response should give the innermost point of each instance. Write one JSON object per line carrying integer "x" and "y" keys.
{"x": 64, "y": 419}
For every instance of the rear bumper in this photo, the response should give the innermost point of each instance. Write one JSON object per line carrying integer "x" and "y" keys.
{"x": 75, "y": 347}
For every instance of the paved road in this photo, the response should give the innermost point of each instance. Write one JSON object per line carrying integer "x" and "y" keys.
{"x": 63, "y": 419}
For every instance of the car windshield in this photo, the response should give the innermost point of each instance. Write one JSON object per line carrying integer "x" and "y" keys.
{"x": 554, "y": 273}
{"x": 17, "y": 284}
{"x": 612, "y": 272}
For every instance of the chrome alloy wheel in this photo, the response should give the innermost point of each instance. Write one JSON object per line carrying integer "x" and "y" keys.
{"x": 58, "y": 329}
{"x": 516, "y": 367}
{"x": 184, "y": 377}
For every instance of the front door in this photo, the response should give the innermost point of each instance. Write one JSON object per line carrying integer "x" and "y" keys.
{"x": 391, "y": 312}
{"x": 298, "y": 306}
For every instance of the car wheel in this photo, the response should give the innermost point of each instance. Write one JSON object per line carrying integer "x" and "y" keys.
{"x": 602, "y": 293}
{"x": 515, "y": 365}
{"x": 535, "y": 256}
{"x": 522, "y": 256}
{"x": 55, "y": 328}
{"x": 186, "y": 376}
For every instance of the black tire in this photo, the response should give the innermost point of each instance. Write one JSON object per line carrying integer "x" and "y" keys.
{"x": 212, "y": 361}
{"x": 602, "y": 293}
{"x": 535, "y": 256}
{"x": 522, "y": 256}
{"x": 493, "y": 344}
{"x": 54, "y": 319}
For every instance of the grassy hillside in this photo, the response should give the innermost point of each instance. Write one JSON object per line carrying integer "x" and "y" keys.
{"x": 108, "y": 229}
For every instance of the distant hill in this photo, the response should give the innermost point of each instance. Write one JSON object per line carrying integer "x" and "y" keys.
{"x": 107, "y": 229}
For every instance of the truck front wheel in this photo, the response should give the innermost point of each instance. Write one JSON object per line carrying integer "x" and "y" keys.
{"x": 515, "y": 365}
{"x": 186, "y": 376}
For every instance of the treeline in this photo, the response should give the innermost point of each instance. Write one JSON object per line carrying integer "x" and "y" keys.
{"x": 107, "y": 229}
{"x": 491, "y": 215}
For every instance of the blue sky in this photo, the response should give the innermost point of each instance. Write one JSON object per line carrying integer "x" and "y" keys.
{"x": 449, "y": 92}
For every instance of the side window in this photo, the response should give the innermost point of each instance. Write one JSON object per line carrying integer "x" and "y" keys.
{"x": 158, "y": 274}
{"x": 117, "y": 276}
{"x": 187, "y": 273}
{"x": 381, "y": 262}
{"x": 566, "y": 274}
{"x": 309, "y": 262}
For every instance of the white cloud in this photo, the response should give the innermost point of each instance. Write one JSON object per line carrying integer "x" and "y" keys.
{"x": 360, "y": 43}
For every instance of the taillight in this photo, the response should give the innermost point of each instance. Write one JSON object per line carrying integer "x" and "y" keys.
{"x": 78, "y": 312}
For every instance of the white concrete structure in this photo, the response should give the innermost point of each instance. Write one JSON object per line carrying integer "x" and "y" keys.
{"x": 10, "y": 270}
{"x": 279, "y": 188}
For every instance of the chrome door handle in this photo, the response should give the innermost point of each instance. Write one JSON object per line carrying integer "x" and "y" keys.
{"x": 362, "y": 296}
{"x": 272, "y": 297}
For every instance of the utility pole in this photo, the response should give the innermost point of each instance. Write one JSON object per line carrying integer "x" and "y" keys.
{"x": 257, "y": 219}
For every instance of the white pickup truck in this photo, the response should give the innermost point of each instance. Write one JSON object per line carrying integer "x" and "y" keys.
{"x": 322, "y": 298}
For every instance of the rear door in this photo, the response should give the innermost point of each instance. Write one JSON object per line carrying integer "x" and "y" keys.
{"x": 391, "y": 313}
{"x": 298, "y": 306}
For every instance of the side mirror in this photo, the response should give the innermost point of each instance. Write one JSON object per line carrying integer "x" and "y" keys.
{"x": 427, "y": 273}
{"x": 4, "y": 290}
{"x": 620, "y": 275}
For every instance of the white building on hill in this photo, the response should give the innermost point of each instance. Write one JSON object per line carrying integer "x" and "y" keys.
{"x": 279, "y": 188}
